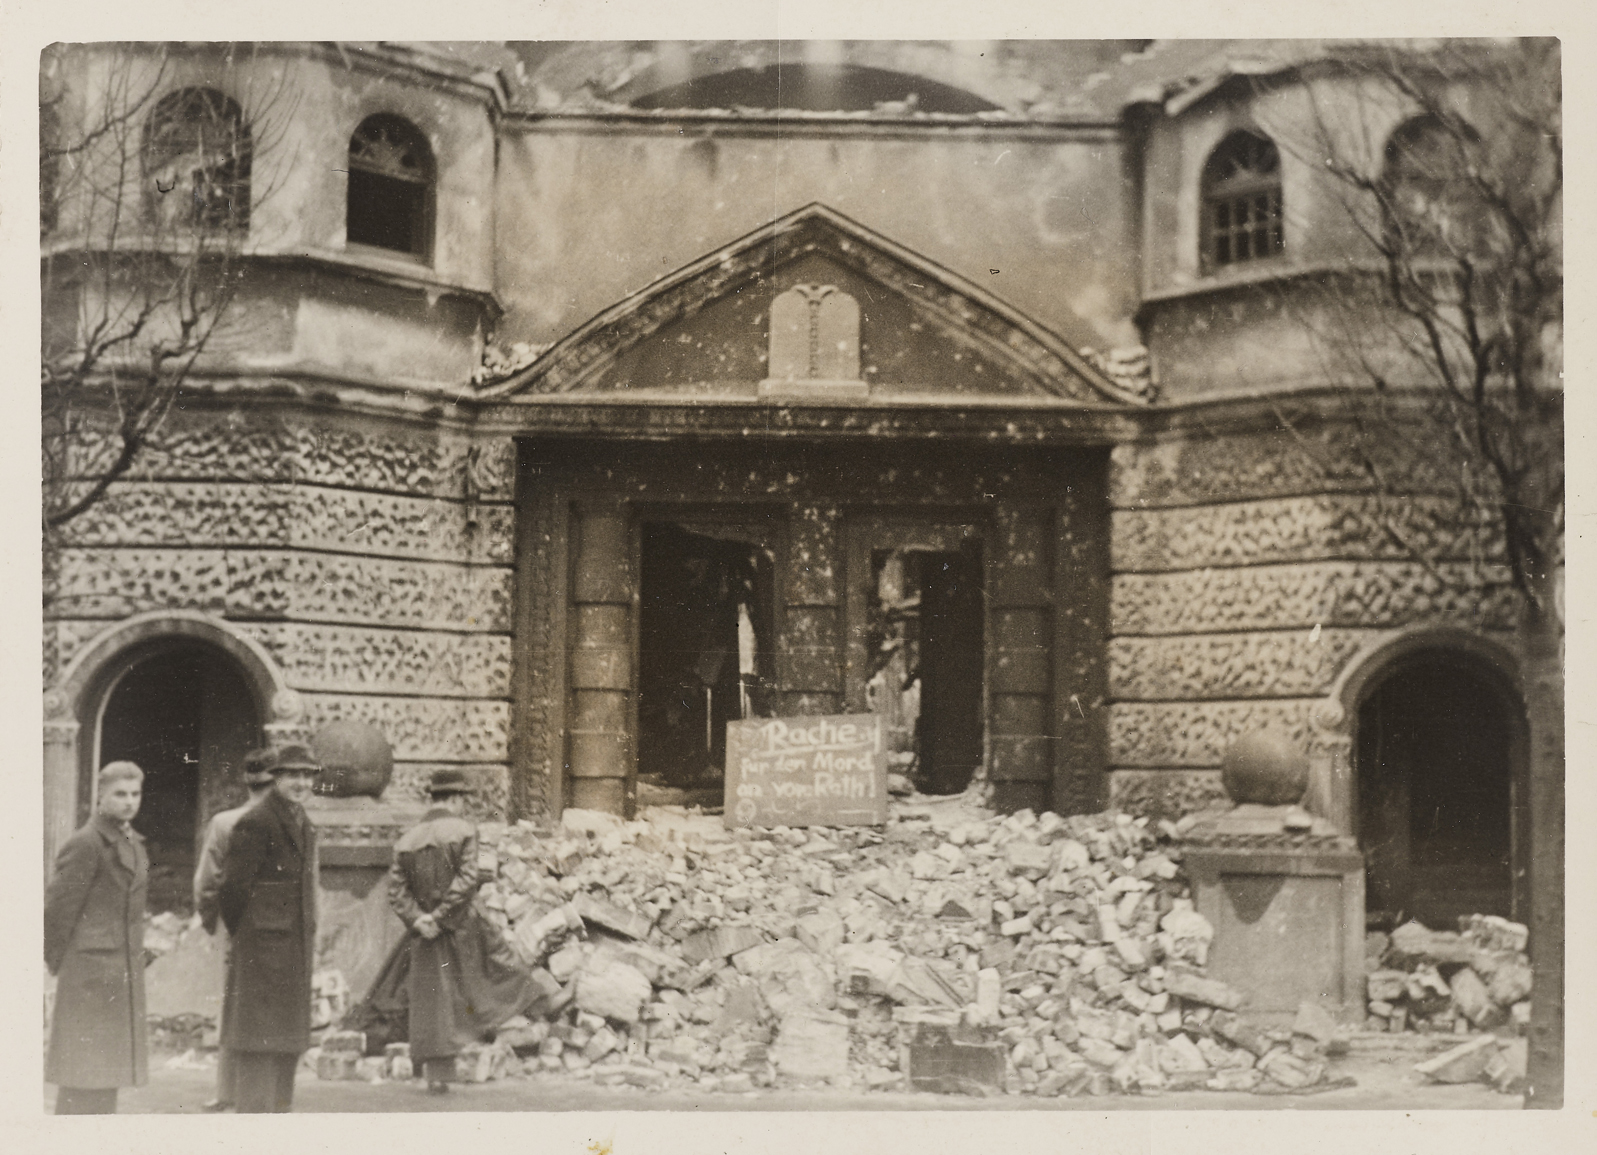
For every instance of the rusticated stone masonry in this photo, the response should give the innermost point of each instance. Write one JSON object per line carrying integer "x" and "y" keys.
{"x": 312, "y": 517}
{"x": 247, "y": 583}
{"x": 370, "y": 558}
{"x": 1250, "y": 571}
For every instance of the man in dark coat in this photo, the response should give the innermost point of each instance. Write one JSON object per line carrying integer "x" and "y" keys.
{"x": 268, "y": 903}
{"x": 94, "y": 943}
{"x": 460, "y": 978}
{"x": 258, "y": 779}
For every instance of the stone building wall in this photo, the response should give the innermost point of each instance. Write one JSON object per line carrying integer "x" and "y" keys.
{"x": 370, "y": 557}
{"x": 1250, "y": 569}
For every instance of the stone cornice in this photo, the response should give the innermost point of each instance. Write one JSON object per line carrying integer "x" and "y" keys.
{"x": 815, "y": 124}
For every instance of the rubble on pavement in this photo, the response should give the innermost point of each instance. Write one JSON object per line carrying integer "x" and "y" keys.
{"x": 952, "y": 949}
{"x": 1475, "y": 979}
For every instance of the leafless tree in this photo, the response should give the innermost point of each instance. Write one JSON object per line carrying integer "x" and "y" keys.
{"x": 1446, "y": 159}
{"x": 148, "y": 180}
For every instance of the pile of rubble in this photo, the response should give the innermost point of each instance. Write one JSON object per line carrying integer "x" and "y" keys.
{"x": 952, "y": 950}
{"x": 1424, "y": 980}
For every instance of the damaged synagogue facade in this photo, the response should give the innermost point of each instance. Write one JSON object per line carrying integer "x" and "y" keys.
{"x": 577, "y": 399}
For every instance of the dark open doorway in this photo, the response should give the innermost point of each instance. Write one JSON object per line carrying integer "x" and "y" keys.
{"x": 186, "y": 715}
{"x": 1437, "y": 797}
{"x": 704, "y": 650}
{"x": 928, "y": 640}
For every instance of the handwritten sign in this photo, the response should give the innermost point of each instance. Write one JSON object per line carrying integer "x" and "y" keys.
{"x": 816, "y": 771}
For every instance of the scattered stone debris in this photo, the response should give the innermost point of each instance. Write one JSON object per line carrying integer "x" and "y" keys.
{"x": 953, "y": 949}
{"x": 1475, "y": 979}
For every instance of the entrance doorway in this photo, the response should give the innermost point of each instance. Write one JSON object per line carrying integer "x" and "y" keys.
{"x": 704, "y": 649}
{"x": 917, "y": 643}
{"x": 928, "y": 653}
{"x": 185, "y": 714}
{"x": 1437, "y": 793}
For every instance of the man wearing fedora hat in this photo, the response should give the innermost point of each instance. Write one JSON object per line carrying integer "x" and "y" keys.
{"x": 267, "y": 899}
{"x": 455, "y": 972}
{"x": 258, "y": 780}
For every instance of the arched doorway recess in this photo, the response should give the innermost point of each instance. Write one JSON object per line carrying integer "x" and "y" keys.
{"x": 1439, "y": 756}
{"x": 182, "y": 710}
{"x": 107, "y": 675}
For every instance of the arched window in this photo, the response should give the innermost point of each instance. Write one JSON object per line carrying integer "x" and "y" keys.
{"x": 1430, "y": 206}
{"x": 197, "y": 154}
{"x": 391, "y": 180}
{"x": 1242, "y": 201}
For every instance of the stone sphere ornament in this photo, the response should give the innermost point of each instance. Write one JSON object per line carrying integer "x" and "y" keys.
{"x": 1265, "y": 767}
{"x": 356, "y": 759}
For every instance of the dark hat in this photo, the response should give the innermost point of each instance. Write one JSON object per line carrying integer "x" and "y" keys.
{"x": 449, "y": 782}
{"x": 258, "y": 767}
{"x": 294, "y": 757}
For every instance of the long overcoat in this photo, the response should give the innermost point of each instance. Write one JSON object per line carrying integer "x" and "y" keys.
{"x": 268, "y": 903}
{"x": 94, "y": 944}
{"x": 467, "y": 980}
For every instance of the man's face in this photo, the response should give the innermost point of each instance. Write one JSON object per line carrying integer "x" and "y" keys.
{"x": 120, "y": 800}
{"x": 296, "y": 785}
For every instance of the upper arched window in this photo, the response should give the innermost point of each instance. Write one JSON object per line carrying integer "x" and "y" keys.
{"x": 1429, "y": 202}
{"x": 197, "y": 154}
{"x": 391, "y": 181}
{"x": 1242, "y": 201}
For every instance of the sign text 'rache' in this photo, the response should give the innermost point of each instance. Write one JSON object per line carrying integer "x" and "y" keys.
{"x": 815, "y": 771}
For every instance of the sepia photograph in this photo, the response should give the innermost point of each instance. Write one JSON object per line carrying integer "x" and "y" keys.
{"x": 801, "y": 575}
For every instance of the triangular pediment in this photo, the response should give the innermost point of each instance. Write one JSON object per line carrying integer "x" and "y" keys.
{"x": 924, "y": 332}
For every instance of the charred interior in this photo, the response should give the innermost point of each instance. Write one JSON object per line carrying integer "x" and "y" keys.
{"x": 927, "y": 638}
{"x": 704, "y": 650}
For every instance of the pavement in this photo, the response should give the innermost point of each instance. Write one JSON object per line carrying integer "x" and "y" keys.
{"x": 1384, "y": 1080}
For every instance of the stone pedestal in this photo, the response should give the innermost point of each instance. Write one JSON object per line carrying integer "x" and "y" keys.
{"x": 355, "y": 840}
{"x": 1286, "y": 898}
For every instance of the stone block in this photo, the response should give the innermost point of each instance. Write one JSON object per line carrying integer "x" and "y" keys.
{"x": 720, "y": 942}
{"x": 811, "y": 1045}
{"x": 1133, "y": 953}
{"x": 1100, "y": 1052}
{"x": 1511, "y": 983}
{"x": 646, "y": 1077}
{"x": 347, "y": 1042}
{"x": 822, "y": 931}
{"x": 523, "y": 1036}
{"x": 1235, "y": 1079}
{"x": 612, "y": 989}
{"x": 1195, "y": 988}
{"x": 1465, "y": 1063}
{"x": 1387, "y": 986}
{"x": 1290, "y": 1071}
{"x": 337, "y": 1065}
{"x": 1505, "y": 1070}
{"x": 1495, "y": 932}
{"x": 597, "y": 911}
{"x": 371, "y": 1069}
{"x": 1471, "y": 998}
{"x": 1181, "y": 1054}
{"x": 926, "y": 982}
{"x": 1238, "y": 1033}
{"x": 565, "y": 962}
{"x": 1027, "y": 859}
{"x": 603, "y": 1042}
{"x": 866, "y": 968}
{"x": 1314, "y": 1022}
